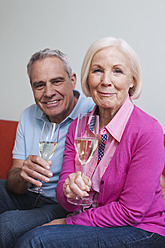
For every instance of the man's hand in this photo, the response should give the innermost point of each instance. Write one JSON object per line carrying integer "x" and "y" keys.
{"x": 31, "y": 170}
{"x": 56, "y": 222}
{"x": 76, "y": 185}
{"x": 35, "y": 168}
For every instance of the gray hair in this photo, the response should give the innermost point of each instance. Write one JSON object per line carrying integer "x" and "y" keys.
{"x": 42, "y": 54}
{"x": 135, "y": 91}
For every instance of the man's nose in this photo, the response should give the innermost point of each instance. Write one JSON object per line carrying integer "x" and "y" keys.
{"x": 49, "y": 90}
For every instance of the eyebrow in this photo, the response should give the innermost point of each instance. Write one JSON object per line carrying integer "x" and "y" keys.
{"x": 57, "y": 79}
{"x": 95, "y": 65}
{"x": 119, "y": 65}
{"x": 37, "y": 83}
{"x": 99, "y": 65}
{"x": 62, "y": 79}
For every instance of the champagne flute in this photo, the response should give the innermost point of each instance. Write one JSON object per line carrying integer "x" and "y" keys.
{"x": 47, "y": 145}
{"x": 86, "y": 142}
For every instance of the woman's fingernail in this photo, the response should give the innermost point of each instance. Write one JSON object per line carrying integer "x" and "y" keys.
{"x": 87, "y": 188}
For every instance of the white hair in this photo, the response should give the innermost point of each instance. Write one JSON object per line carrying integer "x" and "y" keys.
{"x": 42, "y": 54}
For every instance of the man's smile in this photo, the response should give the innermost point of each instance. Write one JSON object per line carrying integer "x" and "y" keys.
{"x": 51, "y": 102}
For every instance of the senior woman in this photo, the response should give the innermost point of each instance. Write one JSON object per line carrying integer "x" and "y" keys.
{"x": 128, "y": 209}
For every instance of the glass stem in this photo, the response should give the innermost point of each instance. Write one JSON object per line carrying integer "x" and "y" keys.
{"x": 83, "y": 170}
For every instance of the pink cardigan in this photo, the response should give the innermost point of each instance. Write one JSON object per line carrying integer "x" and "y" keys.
{"x": 130, "y": 192}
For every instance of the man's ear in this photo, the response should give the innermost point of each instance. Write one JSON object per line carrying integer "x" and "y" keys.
{"x": 73, "y": 80}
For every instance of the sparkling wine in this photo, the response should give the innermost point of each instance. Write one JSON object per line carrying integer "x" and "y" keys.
{"x": 46, "y": 149}
{"x": 85, "y": 147}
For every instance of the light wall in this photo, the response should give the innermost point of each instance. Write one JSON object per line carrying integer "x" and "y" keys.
{"x": 27, "y": 26}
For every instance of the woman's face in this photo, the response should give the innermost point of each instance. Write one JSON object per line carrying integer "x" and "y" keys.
{"x": 110, "y": 78}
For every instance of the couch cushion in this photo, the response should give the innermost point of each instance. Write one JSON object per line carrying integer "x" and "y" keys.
{"x": 7, "y": 134}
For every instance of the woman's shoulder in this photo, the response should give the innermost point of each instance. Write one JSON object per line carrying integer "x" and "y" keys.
{"x": 141, "y": 119}
{"x": 143, "y": 127}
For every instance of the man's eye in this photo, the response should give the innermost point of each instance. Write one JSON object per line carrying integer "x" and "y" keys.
{"x": 57, "y": 81}
{"x": 38, "y": 86}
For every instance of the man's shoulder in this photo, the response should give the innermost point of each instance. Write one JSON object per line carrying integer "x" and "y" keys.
{"x": 30, "y": 108}
{"x": 31, "y": 111}
{"x": 84, "y": 104}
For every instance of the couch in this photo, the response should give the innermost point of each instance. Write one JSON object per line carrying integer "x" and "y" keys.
{"x": 8, "y": 132}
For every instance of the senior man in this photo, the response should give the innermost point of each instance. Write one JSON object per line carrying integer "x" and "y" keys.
{"x": 56, "y": 100}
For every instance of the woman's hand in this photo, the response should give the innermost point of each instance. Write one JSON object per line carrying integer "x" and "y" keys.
{"x": 162, "y": 184}
{"x": 56, "y": 222}
{"x": 76, "y": 185}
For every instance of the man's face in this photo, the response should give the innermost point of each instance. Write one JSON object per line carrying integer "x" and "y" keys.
{"x": 52, "y": 88}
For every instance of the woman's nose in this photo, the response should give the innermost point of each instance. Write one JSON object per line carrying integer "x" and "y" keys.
{"x": 106, "y": 79}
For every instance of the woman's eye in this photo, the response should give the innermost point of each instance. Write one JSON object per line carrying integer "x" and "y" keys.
{"x": 118, "y": 71}
{"x": 97, "y": 70}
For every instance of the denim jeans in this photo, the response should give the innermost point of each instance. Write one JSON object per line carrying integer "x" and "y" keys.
{"x": 74, "y": 236}
{"x": 21, "y": 213}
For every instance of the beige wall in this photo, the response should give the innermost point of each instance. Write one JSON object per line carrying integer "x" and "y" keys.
{"x": 27, "y": 26}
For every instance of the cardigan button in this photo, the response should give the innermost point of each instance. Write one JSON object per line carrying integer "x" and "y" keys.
{"x": 100, "y": 204}
{"x": 102, "y": 182}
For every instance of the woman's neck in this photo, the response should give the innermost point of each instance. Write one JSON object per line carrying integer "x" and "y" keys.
{"x": 105, "y": 116}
